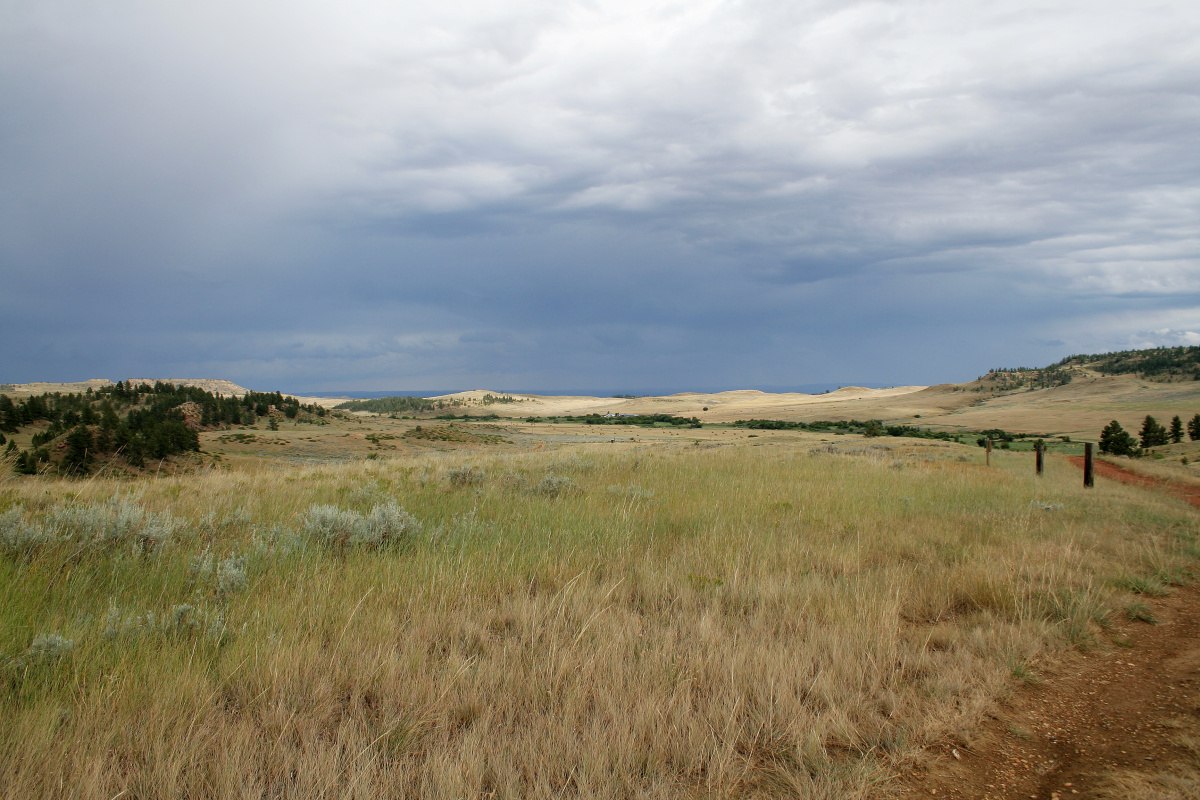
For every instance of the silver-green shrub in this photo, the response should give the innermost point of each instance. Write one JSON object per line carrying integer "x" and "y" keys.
{"x": 19, "y": 537}
{"x": 184, "y": 620}
{"x": 116, "y": 523}
{"x": 329, "y": 525}
{"x": 466, "y": 476}
{"x": 383, "y": 525}
{"x": 231, "y": 575}
{"x": 46, "y": 648}
{"x": 555, "y": 485}
{"x": 225, "y": 576}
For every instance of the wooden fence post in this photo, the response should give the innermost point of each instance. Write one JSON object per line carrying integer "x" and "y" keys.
{"x": 1041, "y": 451}
{"x": 1089, "y": 466}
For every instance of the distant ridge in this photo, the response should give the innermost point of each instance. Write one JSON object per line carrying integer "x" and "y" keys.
{"x": 214, "y": 385}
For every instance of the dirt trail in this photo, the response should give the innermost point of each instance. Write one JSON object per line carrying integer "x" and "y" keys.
{"x": 1125, "y": 711}
{"x": 1104, "y": 469}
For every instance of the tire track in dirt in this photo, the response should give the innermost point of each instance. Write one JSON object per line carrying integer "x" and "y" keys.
{"x": 1090, "y": 719}
{"x": 1106, "y": 469}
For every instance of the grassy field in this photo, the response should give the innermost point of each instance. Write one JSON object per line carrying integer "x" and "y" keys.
{"x": 675, "y": 619}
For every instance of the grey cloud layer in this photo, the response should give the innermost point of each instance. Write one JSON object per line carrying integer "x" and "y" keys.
{"x": 551, "y": 192}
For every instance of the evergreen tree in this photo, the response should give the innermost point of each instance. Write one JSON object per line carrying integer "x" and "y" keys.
{"x": 1194, "y": 428}
{"x": 1116, "y": 441}
{"x": 10, "y": 419}
{"x": 80, "y": 449}
{"x": 1153, "y": 434}
{"x": 108, "y": 417}
{"x": 1176, "y": 429}
{"x": 135, "y": 453}
{"x": 26, "y": 463}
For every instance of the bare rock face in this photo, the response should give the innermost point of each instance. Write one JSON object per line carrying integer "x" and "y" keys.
{"x": 192, "y": 414}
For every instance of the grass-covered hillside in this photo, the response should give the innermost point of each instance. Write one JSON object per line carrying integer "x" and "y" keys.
{"x": 1158, "y": 364}
{"x": 123, "y": 426}
{"x": 657, "y": 621}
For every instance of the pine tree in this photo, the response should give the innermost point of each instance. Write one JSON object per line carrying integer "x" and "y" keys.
{"x": 80, "y": 449}
{"x": 1114, "y": 440}
{"x": 26, "y": 463}
{"x": 1194, "y": 428}
{"x": 1176, "y": 430}
{"x": 108, "y": 417}
{"x": 10, "y": 418}
{"x": 1153, "y": 434}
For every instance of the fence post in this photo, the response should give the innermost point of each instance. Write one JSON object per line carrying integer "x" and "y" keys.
{"x": 1041, "y": 451}
{"x": 1089, "y": 466}
{"x": 989, "y": 451}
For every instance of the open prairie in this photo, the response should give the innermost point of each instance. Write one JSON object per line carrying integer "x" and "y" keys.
{"x": 1079, "y": 409}
{"x": 733, "y": 614}
{"x": 358, "y": 605}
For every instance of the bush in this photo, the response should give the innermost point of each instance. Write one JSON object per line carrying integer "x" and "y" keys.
{"x": 46, "y": 648}
{"x": 466, "y": 476}
{"x": 19, "y": 537}
{"x": 384, "y": 525}
{"x": 184, "y": 620}
{"x": 555, "y": 485}
{"x": 231, "y": 575}
{"x": 329, "y": 525}
{"x": 118, "y": 522}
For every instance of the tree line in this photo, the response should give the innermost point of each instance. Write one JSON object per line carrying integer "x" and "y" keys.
{"x": 127, "y": 422}
{"x": 1115, "y": 440}
{"x": 1160, "y": 362}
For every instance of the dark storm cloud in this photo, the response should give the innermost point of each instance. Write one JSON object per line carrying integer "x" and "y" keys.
{"x": 541, "y": 194}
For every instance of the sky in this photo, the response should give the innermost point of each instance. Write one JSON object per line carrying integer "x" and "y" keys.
{"x": 601, "y": 196}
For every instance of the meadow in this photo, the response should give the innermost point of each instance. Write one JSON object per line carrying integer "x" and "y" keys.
{"x": 783, "y": 617}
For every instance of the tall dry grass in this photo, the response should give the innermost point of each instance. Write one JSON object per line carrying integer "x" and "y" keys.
{"x": 674, "y": 622}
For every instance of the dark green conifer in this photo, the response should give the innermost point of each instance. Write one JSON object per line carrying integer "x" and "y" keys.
{"x": 1115, "y": 440}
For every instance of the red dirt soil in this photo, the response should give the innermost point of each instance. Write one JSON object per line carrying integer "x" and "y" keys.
{"x": 1128, "y": 708}
{"x": 1104, "y": 469}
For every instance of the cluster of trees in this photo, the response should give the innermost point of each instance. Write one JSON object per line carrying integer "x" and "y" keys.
{"x": 1039, "y": 378}
{"x": 1116, "y": 441}
{"x": 871, "y": 427}
{"x": 1160, "y": 362}
{"x": 646, "y": 420}
{"x": 129, "y": 422}
{"x": 416, "y": 405}
{"x": 489, "y": 398}
{"x": 393, "y": 405}
{"x": 216, "y": 410}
